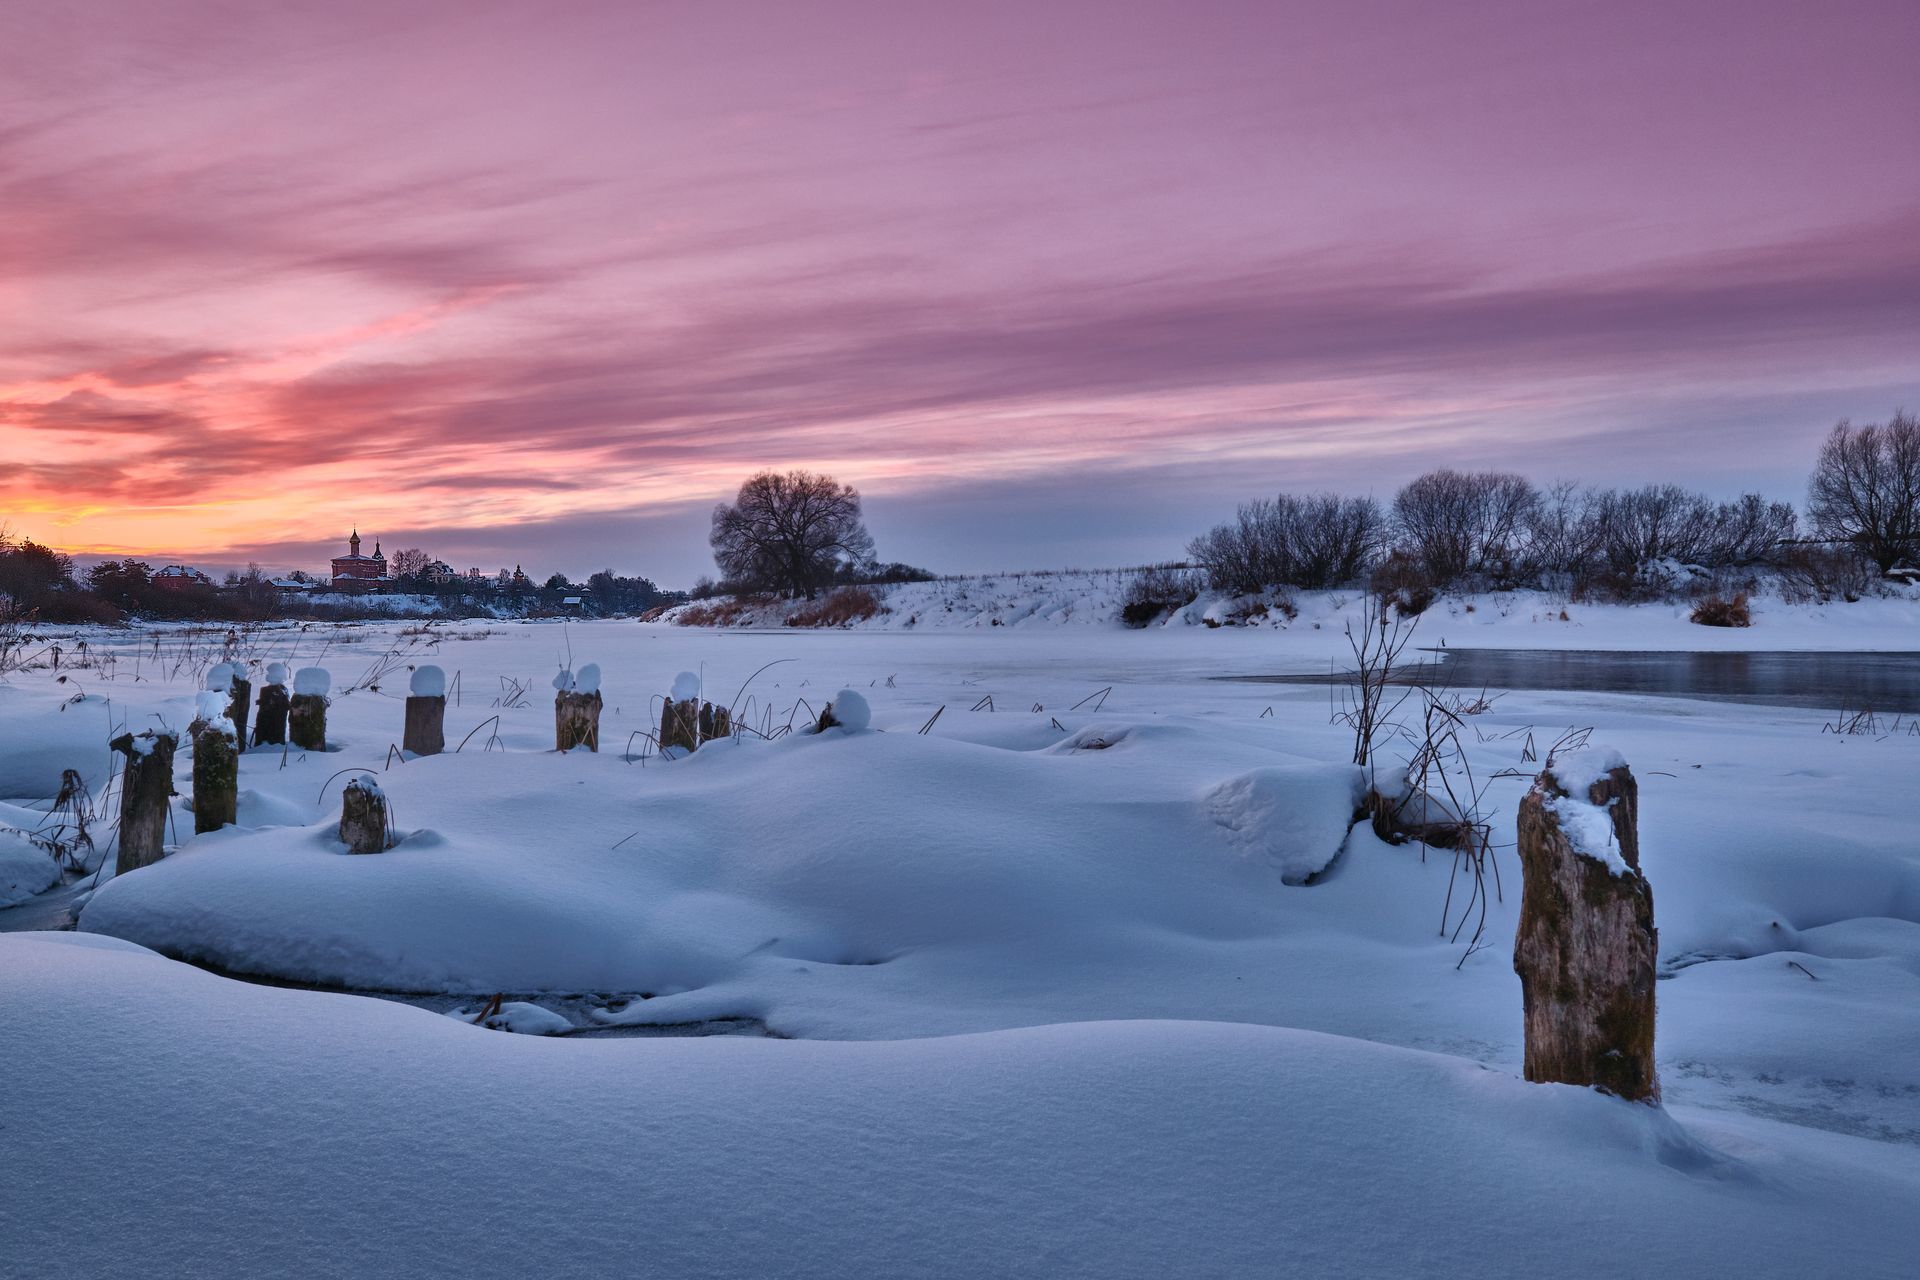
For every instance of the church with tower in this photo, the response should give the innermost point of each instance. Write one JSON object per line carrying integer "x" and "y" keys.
{"x": 355, "y": 572}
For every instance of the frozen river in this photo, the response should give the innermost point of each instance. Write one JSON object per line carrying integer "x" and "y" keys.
{"x": 1884, "y": 683}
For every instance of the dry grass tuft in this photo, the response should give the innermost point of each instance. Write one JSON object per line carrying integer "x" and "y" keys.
{"x": 1722, "y": 611}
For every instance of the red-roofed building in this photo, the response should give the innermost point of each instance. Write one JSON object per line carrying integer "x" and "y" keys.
{"x": 355, "y": 572}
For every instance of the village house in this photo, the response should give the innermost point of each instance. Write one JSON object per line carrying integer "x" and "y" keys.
{"x": 178, "y": 577}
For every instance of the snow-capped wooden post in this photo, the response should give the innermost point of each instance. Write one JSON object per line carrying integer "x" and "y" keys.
{"x": 1586, "y": 948}
{"x": 363, "y": 817}
{"x": 848, "y": 710}
{"x": 270, "y": 724}
{"x": 307, "y": 715}
{"x": 216, "y": 766}
{"x": 715, "y": 722}
{"x": 426, "y": 729}
{"x": 145, "y": 788}
{"x": 680, "y": 716}
{"x": 239, "y": 699}
{"x": 576, "y": 709}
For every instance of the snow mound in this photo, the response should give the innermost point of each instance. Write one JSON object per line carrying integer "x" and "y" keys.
{"x": 563, "y": 680}
{"x": 313, "y": 681}
{"x": 221, "y": 675}
{"x": 587, "y": 679}
{"x": 276, "y": 673}
{"x": 750, "y": 874}
{"x": 427, "y": 681}
{"x": 686, "y": 685}
{"x": 25, "y": 868}
{"x": 520, "y": 1017}
{"x": 1294, "y": 818}
{"x": 852, "y": 711}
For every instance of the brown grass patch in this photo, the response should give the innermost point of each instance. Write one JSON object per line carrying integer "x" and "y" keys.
{"x": 1722, "y": 611}
{"x": 844, "y": 607}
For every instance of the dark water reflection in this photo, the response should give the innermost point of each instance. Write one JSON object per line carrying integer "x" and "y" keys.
{"x": 1886, "y": 683}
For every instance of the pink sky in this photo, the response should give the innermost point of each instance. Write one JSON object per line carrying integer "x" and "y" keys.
{"x": 1051, "y": 283}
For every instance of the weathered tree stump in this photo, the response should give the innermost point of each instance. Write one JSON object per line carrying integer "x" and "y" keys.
{"x": 1586, "y": 947}
{"x": 576, "y": 720}
{"x": 216, "y": 778}
{"x": 145, "y": 788}
{"x": 426, "y": 733}
{"x": 363, "y": 817}
{"x": 680, "y": 724}
{"x": 721, "y": 725}
{"x": 307, "y": 721}
{"x": 270, "y": 724}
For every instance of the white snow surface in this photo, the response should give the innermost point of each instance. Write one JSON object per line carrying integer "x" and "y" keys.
{"x": 427, "y": 681}
{"x": 305, "y": 1134}
{"x": 1054, "y": 1015}
{"x": 312, "y": 681}
{"x": 221, "y": 675}
{"x": 1589, "y": 829}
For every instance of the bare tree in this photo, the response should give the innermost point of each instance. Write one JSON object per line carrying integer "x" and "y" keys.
{"x": 1458, "y": 523}
{"x": 410, "y": 562}
{"x": 1866, "y": 488}
{"x": 790, "y": 532}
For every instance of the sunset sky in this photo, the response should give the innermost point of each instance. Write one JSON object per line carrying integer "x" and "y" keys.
{"x": 1052, "y": 282}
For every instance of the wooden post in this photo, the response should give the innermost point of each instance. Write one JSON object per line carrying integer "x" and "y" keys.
{"x": 216, "y": 777}
{"x": 680, "y": 724}
{"x": 576, "y": 720}
{"x": 722, "y": 724}
{"x": 363, "y": 817}
{"x": 425, "y": 733}
{"x": 1586, "y": 947}
{"x": 270, "y": 725}
{"x": 145, "y": 788}
{"x": 237, "y": 703}
{"x": 307, "y": 721}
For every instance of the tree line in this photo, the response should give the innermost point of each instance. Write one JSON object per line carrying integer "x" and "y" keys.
{"x": 39, "y": 581}
{"x": 1449, "y": 529}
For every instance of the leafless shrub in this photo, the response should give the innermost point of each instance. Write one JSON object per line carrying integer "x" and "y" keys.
{"x": 1403, "y": 581}
{"x": 1155, "y": 591}
{"x": 1821, "y": 575}
{"x": 1313, "y": 541}
{"x": 1377, "y": 641}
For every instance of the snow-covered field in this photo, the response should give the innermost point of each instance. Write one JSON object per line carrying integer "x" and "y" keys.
{"x": 1056, "y": 1000}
